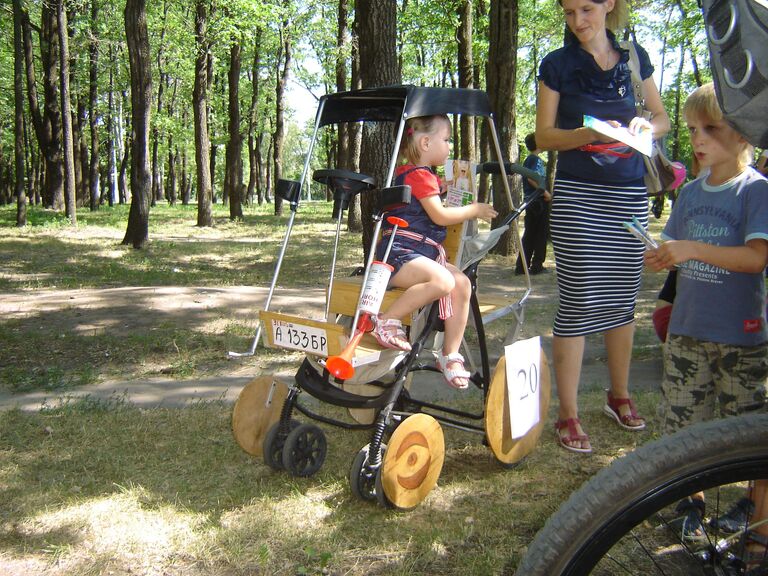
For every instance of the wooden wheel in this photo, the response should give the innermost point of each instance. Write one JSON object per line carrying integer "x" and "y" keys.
{"x": 497, "y": 415}
{"x": 413, "y": 461}
{"x": 256, "y": 410}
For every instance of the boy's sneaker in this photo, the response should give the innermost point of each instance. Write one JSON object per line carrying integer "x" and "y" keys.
{"x": 736, "y": 519}
{"x": 690, "y": 522}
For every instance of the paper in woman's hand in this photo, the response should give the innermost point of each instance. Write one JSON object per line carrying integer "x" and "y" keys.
{"x": 642, "y": 141}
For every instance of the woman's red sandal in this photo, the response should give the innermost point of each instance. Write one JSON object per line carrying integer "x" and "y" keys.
{"x": 567, "y": 440}
{"x": 612, "y": 409}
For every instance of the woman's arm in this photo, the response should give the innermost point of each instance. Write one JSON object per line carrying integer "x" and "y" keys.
{"x": 653, "y": 103}
{"x": 548, "y": 137}
{"x": 750, "y": 258}
{"x": 449, "y": 215}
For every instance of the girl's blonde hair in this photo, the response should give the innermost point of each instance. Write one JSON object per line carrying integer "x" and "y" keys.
{"x": 414, "y": 129}
{"x": 616, "y": 19}
{"x": 702, "y": 103}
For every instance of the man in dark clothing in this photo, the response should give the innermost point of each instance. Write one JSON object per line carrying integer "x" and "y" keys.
{"x": 536, "y": 214}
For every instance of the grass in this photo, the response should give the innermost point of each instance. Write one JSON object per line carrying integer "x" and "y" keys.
{"x": 83, "y": 494}
{"x": 103, "y": 487}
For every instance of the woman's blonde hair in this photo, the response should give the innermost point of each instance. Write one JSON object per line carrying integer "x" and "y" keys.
{"x": 414, "y": 129}
{"x": 616, "y": 19}
{"x": 702, "y": 103}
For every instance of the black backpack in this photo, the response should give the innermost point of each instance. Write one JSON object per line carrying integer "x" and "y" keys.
{"x": 737, "y": 31}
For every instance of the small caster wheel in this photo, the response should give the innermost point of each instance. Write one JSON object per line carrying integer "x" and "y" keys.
{"x": 362, "y": 479}
{"x": 274, "y": 442}
{"x": 304, "y": 450}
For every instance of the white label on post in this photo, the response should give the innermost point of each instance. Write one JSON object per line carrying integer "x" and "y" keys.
{"x": 523, "y": 368}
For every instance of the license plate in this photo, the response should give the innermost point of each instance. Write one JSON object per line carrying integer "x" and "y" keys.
{"x": 300, "y": 337}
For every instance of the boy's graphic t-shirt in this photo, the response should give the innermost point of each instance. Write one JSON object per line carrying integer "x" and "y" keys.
{"x": 712, "y": 303}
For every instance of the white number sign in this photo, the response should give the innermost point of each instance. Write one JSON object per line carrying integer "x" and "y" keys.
{"x": 523, "y": 360}
{"x": 300, "y": 337}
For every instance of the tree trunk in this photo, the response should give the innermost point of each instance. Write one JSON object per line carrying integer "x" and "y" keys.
{"x": 80, "y": 149}
{"x": 376, "y": 24}
{"x": 157, "y": 182}
{"x": 122, "y": 184}
{"x": 111, "y": 157}
{"x": 466, "y": 77}
{"x": 233, "y": 181}
{"x": 173, "y": 157}
{"x": 253, "y": 164}
{"x": 502, "y": 65}
{"x": 47, "y": 123}
{"x": 135, "y": 15}
{"x": 200, "y": 109}
{"x": 92, "y": 101}
{"x": 18, "y": 117}
{"x": 282, "y": 80}
{"x": 342, "y": 43}
{"x": 66, "y": 115}
{"x": 171, "y": 189}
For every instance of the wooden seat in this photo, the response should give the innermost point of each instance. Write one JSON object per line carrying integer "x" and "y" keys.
{"x": 346, "y": 292}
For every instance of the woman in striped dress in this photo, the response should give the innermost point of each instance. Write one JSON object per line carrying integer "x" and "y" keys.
{"x": 598, "y": 186}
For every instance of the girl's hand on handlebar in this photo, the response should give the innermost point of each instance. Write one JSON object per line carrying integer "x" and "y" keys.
{"x": 486, "y": 211}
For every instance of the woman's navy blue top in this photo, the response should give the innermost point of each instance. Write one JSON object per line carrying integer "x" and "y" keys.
{"x": 605, "y": 94}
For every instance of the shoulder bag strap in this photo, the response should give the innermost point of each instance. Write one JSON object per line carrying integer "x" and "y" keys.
{"x": 637, "y": 81}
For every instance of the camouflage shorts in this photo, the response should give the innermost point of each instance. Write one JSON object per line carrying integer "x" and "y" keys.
{"x": 704, "y": 380}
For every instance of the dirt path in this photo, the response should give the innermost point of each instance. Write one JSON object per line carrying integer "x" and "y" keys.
{"x": 139, "y": 309}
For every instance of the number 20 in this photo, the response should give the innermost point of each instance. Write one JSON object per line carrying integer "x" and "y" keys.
{"x": 528, "y": 381}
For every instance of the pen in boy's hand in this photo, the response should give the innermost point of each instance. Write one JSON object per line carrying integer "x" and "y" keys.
{"x": 638, "y": 232}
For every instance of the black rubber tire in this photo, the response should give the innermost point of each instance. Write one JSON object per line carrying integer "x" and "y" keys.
{"x": 635, "y": 488}
{"x": 304, "y": 450}
{"x": 362, "y": 482}
{"x": 273, "y": 445}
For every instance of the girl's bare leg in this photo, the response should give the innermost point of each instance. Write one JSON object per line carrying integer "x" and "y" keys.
{"x": 424, "y": 281}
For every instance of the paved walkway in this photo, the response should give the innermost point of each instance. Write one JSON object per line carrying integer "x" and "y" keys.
{"x": 171, "y": 393}
{"x": 113, "y": 309}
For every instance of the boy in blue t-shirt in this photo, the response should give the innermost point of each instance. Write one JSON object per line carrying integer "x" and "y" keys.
{"x": 716, "y": 354}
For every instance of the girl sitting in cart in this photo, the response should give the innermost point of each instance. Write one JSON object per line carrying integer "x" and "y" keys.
{"x": 417, "y": 254}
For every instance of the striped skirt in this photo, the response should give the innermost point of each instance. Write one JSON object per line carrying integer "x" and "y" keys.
{"x": 598, "y": 262}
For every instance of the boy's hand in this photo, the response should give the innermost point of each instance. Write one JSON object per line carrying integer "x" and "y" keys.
{"x": 670, "y": 254}
{"x": 485, "y": 212}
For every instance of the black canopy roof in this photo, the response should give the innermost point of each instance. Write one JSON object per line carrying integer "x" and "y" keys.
{"x": 391, "y": 103}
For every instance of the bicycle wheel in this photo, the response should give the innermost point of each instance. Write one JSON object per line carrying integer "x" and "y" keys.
{"x": 623, "y": 520}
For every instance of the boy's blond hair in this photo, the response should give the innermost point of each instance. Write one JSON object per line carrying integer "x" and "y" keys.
{"x": 415, "y": 128}
{"x": 702, "y": 103}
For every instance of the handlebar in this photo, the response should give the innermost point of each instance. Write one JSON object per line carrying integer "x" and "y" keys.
{"x": 513, "y": 168}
